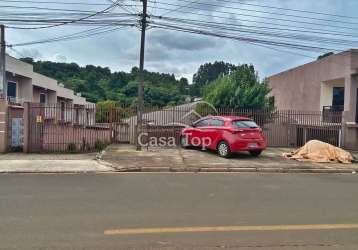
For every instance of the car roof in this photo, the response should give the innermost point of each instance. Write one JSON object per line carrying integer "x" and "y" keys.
{"x": 229, "y": 117}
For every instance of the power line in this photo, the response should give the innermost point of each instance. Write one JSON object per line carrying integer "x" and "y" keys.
{"x": 47, "y": 9}
{"x": 269, "y": 33}
{"x": 258, "y": 35}
{"x": 292, "y": 27}
{"x": 180, "y": 7}
{"x": 298, "y": 29}
{"x": 241, "y": 38}
{"x": 72, "y": 21}
{"x": 75, "y": 36}
{"x": 55, "y": 2}
{"x": 121, "y": 6}
{"x": 288, "y": 9}
{"x": 17, "y": 52}
{"x": 283, "y": 51}
{"x": 271, "y": 13}
{"x": 242, "y": 14}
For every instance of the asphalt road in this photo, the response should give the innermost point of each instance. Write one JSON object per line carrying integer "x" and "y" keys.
{"x": 179, "y": 211}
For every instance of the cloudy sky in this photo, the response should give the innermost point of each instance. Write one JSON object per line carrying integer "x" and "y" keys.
{"x": 173, "y": 51}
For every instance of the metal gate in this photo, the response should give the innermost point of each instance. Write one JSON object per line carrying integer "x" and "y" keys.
{"x": 15, "y": 128}
{"x": 67, "y": 128}
{"x": 77, "y": 128}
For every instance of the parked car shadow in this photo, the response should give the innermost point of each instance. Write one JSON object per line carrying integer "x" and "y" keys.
{"x": 237, "y": 156}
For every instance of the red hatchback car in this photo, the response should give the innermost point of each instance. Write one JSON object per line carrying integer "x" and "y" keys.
{"x": 225, "y": 134}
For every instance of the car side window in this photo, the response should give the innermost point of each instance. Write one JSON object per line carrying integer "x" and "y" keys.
{"x": 217, "y": 123}
{"x": 202, "y": 123}
{"x": 245, "y": 124}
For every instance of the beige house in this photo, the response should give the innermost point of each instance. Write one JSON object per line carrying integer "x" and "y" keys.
{"x": 329, "y": 84}
{"x": 25, "y": 85}
{"x": 53, "y": 103}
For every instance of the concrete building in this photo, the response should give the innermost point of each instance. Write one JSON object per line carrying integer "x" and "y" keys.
{"x": 55, "y": 104}
{"x": 329, "y": 84}
{"x": 25, "y": 85}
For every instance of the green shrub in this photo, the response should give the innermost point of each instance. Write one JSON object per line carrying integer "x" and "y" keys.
{"x": 100, "y": 145}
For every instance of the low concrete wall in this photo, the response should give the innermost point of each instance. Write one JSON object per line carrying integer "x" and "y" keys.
{"x": 350, "y": 137}
{"x": 58, "y": 137}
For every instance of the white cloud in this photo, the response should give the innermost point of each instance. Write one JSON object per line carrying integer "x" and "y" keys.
{"x": 174, "y": 52}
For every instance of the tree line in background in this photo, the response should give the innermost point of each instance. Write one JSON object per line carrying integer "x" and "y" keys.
{"x": 99, "y": 84}
{"x": 222, "y": 84}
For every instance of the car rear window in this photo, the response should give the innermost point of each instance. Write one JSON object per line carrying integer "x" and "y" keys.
{"x": 245, "y": 124}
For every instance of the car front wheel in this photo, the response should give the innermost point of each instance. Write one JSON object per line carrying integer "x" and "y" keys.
{"x": 224, "y": 149}
{"x": 255, "y": 153}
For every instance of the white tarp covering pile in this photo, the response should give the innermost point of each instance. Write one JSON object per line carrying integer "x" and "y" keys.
{"x": 317, "y": 151}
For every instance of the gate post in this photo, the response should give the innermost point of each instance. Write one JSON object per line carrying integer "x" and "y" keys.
{"x": 111, "y": 123}
{"x": 3, "y": 125}
{"x": 27, "y": 115}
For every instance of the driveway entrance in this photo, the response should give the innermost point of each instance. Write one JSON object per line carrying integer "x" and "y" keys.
{"x": 126, "y": 158}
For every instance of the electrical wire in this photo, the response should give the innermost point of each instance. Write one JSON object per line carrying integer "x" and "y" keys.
{"x": 287, "y": 9}
{"x": 54, "y": 2}
{"x": 75, "y": 36}
{"x": 298, "y": 29}
{"x": 270, "y": 33}
{"x": 258, "y": 11}
{"x": 180, "y": 7}
{"x": 241, "y": 38}
{"x": 248, "y": 15}
{"x": 72, "y": 21}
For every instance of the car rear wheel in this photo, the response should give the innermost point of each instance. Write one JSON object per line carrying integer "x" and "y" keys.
{"x": 224, "y": 149}
{"x": 255, "y": 153}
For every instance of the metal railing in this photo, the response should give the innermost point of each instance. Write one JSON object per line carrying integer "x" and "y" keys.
{"x": 16, "y": 100}
{"x": 332, "y": 114}
{"x": 84, "y": 128}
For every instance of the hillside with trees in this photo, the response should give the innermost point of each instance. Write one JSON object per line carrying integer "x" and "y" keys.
{"x": 222, "y": 84}
{"x": 99, "y": 84}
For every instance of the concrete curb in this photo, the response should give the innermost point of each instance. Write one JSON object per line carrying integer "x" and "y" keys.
{"x": 54, "y": 167}
{"x": 192, "y": 169}
{"x": 55, "y": 172}
{"x": 244, "y": 170}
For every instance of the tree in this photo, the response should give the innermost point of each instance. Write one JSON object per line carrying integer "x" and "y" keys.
{"x": 207, "y": 73}
{"x": 99, "y": 84}
{"x": 239, "y": 89}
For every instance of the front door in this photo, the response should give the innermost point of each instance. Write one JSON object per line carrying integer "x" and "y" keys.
{"x": 11, "y": 90}
{"x": 338, "y": 99}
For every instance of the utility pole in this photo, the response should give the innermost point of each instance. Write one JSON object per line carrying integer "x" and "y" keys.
{"x": 141, "y": 74}
{"x": 2, "y": 62}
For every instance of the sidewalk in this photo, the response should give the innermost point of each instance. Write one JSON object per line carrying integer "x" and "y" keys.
{"x": 126, "y": 158}
{"x": 51, "y": 163}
